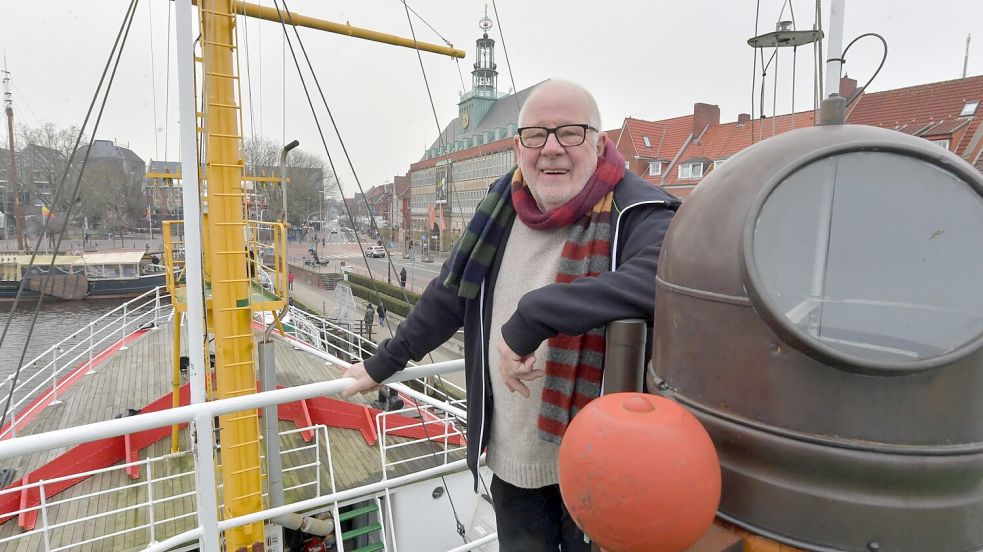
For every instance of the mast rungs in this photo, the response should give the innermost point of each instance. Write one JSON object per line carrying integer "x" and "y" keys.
{"x": 245, "y": 496}
{"x": 241, "y": 418}
{"x": 238, "y": 336}
{"x": 221, "y": 75}
{"x": 230, "y": 224}
{"x": 240, "y": 363}
{"x": 237, "y": 445}
{"x": 242, "y": 471}
{"x": 217, "y": 135}
{"x": 234, "y": 281}
{"x": 220, "y": 104}
{"x": 239, "y": 165}
{"x": 220, "y": 44}
{"x": 243, "y": 252}
{"x": 213, "y": 12}
{"x": 232, "y": 309}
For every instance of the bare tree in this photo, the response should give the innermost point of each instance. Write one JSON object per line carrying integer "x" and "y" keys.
{"x": 310, "y": 179}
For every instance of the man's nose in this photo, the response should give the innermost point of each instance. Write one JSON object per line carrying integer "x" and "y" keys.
{"x": 552, "y": 145}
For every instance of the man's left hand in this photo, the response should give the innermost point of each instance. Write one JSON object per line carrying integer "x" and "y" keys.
{"x": 516, "y": 369}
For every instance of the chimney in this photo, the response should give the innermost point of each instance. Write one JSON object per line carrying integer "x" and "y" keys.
{"x": 848, "y": 87}
{"x": 703, "y": 115}
{"x": 742, "y": 119}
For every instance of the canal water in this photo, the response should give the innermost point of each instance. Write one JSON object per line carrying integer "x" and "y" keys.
{"x": 56, "y": 320}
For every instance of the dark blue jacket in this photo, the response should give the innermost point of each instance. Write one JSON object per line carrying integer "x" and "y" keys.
{"x": 641, "y": 216}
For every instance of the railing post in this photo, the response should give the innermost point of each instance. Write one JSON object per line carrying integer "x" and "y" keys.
{"x": 156, "y": 304}
{"x": 13, "y": 413}
{"x": 317, "y": 458}
{"x": 150, "y": 501}
{"x": 54, "y": 377}
{"x": 91, "y": 369}
{"x": 44, "y": 517}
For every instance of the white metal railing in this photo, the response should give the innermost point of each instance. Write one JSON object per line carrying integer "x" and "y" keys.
{"x": 202, "y": 416}
{"x": 38, "y": 384}
{"x": 438, "y": 430}
{"x": 315, "y": 331}
{"x": 155, "y": 503}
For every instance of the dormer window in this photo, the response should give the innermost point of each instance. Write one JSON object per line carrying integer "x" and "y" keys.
{"x": 691, "y": 170}
{"x": 655, "y": 168}
{"x": 648, "y": 143}
{"x": 969, "y": 109}
{"x": 944, "y": 143}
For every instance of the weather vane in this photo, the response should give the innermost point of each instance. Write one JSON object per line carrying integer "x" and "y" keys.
{"x": 485, "y": 23}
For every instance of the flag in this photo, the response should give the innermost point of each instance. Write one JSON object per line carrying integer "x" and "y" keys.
{"x": 148, "y": 214}
{"x": 433, "y": 216}
{"x": 443, "y": 225}
{"x": 47, "y": 213}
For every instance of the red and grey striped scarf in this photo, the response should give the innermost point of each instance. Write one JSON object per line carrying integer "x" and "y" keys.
{"x": 574, "y": 364}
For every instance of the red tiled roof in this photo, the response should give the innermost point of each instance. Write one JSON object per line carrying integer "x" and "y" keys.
{"x": 938, "y": 102}
{"x": 614, "y": 134}
{"x": 945, "y": 128}
{"x": 722, "y": 141}
{"x": 665, "y": 137}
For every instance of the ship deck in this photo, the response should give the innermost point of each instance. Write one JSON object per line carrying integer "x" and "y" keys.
{"x": 137, "y": 376}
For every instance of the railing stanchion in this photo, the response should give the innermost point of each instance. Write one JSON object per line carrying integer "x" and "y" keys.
{"x": 44, "y": 517}
{"x": 150, "y": 501}
{"x": 54, "y": 377}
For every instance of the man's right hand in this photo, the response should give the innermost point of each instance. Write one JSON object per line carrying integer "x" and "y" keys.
{"x": 363, "y": 381}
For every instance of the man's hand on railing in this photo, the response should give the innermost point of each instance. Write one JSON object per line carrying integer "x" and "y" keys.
{"x": 363, "y": 381}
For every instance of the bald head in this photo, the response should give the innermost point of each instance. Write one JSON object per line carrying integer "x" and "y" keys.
{"x": 557, "y": 91}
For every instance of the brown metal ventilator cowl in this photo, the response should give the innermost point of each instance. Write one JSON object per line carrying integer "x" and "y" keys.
{"x": 820, "y": 310}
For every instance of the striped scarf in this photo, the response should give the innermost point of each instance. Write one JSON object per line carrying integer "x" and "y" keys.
{"x": 573, "y": 363}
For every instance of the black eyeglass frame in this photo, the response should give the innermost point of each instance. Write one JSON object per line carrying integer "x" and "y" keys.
{"x": 552, "y": 131}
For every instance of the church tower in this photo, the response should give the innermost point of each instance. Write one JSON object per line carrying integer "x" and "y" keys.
{"x": 484, "y": 80}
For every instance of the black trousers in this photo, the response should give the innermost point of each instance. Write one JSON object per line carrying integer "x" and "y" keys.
{"x": 534, "y": 520}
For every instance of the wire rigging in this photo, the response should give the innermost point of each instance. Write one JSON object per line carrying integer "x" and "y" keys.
{"x": 876, "y": 71}
{"x": 117, "y": 52}
{"x": 153, "y": 73}
{"x": 501, "y": 33}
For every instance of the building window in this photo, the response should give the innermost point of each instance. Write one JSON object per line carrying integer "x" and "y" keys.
{"x": 648, "y": 143}
{"x": 691, "y": 170}
{"x": 655, "y": 168}
{"x": 627, "y": 166}
{"x": 942, "y": 143}
{"x": 718, "y": 162}
{"x": 969, "y": 109}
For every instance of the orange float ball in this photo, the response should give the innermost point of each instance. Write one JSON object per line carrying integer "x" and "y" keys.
{"x": 639, "y": 473}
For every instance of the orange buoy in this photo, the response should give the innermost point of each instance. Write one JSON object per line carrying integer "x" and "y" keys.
{"x": 639, "y": 473}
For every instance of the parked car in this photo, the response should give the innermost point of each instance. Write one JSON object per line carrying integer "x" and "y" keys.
{"x": 375, "y": 251}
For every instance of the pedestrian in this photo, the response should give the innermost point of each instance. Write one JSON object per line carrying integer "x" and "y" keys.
{"x": 566, "y": 242}
{"x": 324, "y": 242}
{"x": 402, "y": 277}
{"x": 290, "y": 280}
{"x": 381, "y": 311}
{"x": 369, "y": 315}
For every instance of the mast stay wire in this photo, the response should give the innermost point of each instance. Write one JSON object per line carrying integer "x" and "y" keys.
{"x": 167, "y": 80}
{"x": 505, "y": 49}
{"x": 754, "y": 69}
{"x": 153, "y": 72}
{"x": 117, "y": 51}
{"x": 460, "y": 526}
{"x": 876, "y": 71}
{"x": 436, "y": 32}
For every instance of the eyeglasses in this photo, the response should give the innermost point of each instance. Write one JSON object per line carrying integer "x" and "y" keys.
{"x": 567, "y": 135}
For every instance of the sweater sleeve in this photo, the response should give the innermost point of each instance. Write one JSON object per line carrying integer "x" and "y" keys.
{"x": 590, "y": 302}
{"x": 437, "y": 315}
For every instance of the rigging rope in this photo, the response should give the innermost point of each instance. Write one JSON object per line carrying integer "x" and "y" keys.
{"x": 754, "y": 70}
{"x": 505, "y": 49}
{"x": 118, "y": 53}
{"x": 153, "y": 73}
{"x": 167, "y": 81}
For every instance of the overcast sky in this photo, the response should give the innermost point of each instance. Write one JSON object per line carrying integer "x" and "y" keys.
{"x": 649, "y": 59}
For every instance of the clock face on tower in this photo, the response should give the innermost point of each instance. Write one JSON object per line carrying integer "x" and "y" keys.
{"x": 465, "y": 119}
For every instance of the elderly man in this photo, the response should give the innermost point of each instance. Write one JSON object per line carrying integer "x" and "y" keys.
{"x": 533, "y": 296}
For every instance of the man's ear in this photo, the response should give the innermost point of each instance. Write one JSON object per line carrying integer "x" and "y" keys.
{"x": 515, "y": 148}
{"x": 602, "y": 138}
